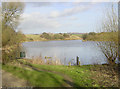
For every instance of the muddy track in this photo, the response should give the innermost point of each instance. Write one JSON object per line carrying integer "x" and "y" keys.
{"x": 9, "y": 80}
{"x": 68, "y": 80}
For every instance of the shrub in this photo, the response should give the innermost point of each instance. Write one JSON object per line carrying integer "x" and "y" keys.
{"x": 45, "y": 35}
{"x": 58, "y": 36}
{"x": 92, "y": 33}
{"x": 84, "y": 36}
{"x": 66, "y": 35}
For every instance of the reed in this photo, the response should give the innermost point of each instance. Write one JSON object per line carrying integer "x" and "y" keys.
{"x": 42, "y": 61}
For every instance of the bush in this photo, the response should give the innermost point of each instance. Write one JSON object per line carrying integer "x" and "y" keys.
{"x": 10, "y": 54}
{"x": 66, "y": 35}
{"x": 92, "y": 33}
{"x": 31, "y": 39}
{"x": 84, "y": 36}
{"x": 58, "y": 36}
{"x": 54, "y": 36}
{"x": 45, "y": 35}
{"x": 10, "y": 37}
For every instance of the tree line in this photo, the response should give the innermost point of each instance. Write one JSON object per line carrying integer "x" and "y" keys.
{"x": 48, "y": 36}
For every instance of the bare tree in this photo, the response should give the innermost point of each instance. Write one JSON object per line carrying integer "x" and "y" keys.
{"x": 11, "y": 12}
{"x": 0, "y": 25}
{"x": 109, "y": 25}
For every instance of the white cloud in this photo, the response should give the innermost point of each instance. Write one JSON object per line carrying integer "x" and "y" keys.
{"x": 54, "y": 14}
{"x": 70, "y": 11}
{"x": 73, "y": 18}
{"x": 74, "y": 10}
{"x": 37, "y": 21}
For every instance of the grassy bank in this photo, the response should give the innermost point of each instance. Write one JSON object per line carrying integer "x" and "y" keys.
{"x": 80, "y": 75}
{"x": 52, "y": 75}
{"x": 39, "y": 37}
{"x": 103, "y": 36}
{"x": 64, "y": 76}
{"x": 87, "y": 75}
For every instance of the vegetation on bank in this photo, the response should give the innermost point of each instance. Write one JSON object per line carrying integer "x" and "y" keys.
{"x": 107, "y": 39}
{"x": 62, "y": 76}
{"x": 88, "y": 75}
{"x": 54, "y": 75}
{"x": 79, "y": 35}
{"x": 11, "y": 38}
{"x": 107, "y": 42}
{"x": 10, "y": 19}
{"x": 51, "y": 36}
{"x": 103, "y": 36}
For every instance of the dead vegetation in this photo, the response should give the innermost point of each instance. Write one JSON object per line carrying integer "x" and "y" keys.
{"x": 41, "y": 61}
{"x": 105, "y": 75}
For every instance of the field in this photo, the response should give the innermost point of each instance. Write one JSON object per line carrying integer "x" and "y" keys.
{"x": 33, "y": 37}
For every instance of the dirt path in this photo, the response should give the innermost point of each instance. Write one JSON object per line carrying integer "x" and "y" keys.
{"x": 68, "y": 80}
{"x": 9, "y": 80}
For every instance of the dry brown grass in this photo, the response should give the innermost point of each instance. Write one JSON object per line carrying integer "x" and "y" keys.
{"x": 41, "y": 61}
{"x": 105, "y": 75}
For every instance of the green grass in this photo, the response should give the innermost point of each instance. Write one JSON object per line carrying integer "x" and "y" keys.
{"x": 32, "y": 37}
{"x": 41, "y": 78}
{"x": 81, "y": 75}
{"x": 79, "y": 35}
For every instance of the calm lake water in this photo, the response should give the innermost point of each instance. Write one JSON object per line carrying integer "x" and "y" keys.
{"x": 66, "y": 51}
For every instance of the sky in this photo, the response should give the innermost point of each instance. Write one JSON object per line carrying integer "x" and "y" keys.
{"x": 61, "y": 17}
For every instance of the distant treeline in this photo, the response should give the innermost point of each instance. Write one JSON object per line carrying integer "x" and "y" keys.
{"x": 54, "y": 36}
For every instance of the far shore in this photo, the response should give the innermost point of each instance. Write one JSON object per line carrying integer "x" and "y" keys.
{"x": 51, "y": 37}
{"x": 50, "y": 40}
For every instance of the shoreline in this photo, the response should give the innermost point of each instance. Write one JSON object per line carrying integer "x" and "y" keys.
{"x": 51, "y": 40}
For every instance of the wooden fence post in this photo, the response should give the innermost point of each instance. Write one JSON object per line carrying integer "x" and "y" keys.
{"x": 77, "y": 60}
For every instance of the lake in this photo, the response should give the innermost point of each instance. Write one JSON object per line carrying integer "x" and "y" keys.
{"x": 66, "y": 51}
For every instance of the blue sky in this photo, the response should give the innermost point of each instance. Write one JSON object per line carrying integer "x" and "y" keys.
{"x": 53, "y": 17}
